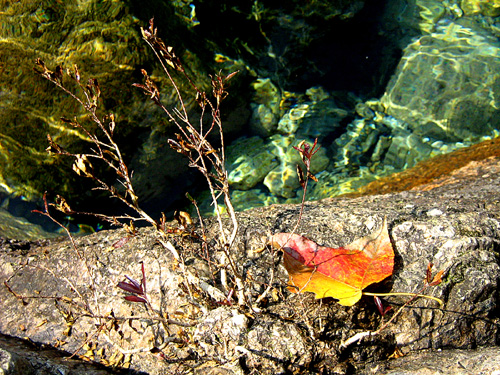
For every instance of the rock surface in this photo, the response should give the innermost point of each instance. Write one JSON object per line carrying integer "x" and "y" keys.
{"x": 453, "y": 222}
{"x": 459, "y": 362}
{"x": 22, "y": 357}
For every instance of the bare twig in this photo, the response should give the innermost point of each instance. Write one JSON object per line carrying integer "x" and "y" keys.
{"x": 193, "y": 143}
{"x": 429, "y": 282}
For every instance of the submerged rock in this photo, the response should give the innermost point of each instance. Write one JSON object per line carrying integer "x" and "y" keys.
{"x": 489, "y": 8}
{"x": 104, "y": 40}
{"x": 252, "y": 161}
{"x": 271, "y": 162}
{"x": 314, "y": 115}
{"x": 283, "y": 181}
{"x": 105, "y": 43}
{"x": 249, "y": 161}
{"x": 446, "y": 84}
{"x": 265, "y": 107}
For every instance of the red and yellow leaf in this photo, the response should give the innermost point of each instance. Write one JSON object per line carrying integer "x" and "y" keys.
{"x": 340, "y": 273}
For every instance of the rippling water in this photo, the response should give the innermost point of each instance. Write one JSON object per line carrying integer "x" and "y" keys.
{"x": 382, "y": 85}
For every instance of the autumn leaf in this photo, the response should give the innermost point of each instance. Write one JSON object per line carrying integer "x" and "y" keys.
{"x": 340, "y": 273}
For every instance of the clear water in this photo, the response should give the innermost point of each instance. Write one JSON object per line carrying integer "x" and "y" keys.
{"x": 382, "y": 85}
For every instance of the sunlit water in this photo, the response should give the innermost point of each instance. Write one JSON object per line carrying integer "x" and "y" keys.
{"x": 380, "y": 88}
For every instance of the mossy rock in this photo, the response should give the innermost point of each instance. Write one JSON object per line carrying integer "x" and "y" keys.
{"x": 103, "y": 39}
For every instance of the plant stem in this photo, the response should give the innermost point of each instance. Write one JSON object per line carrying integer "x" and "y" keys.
{"x": 441, "y": 303}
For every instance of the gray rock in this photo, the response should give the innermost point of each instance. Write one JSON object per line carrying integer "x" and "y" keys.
{"x": 282, "y": 181}
{"x": 221, "y": 330}
{"x": 456, "y": 362}
{"x": 11, "y": 364}
{"x": 277, "y": 346}
{"x": 266, "y": 109}
{"x": 453, "y": 222}
{"x": 22, "y": 357}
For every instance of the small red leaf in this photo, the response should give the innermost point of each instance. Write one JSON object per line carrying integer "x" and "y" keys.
{"x": 130, "y": 287}
{"x": 380, "y": 306}
{"x": 134, "y": 282}
{"x": 135, "y": 299}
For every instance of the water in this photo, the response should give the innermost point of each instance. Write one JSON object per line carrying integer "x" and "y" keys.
{"x": 381, "y": 84}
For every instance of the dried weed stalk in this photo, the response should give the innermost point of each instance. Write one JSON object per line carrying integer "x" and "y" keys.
{"x": 191, "y": 141}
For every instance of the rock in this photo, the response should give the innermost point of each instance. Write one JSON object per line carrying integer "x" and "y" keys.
{"x": 416, "y": 17}
{"x": 282, "y": 180}
{"x": 451, "y": 99}
{"x": 314, "y": 118}
{"x": 31, "y": 107}
{"x": 452, "y": 362}
{"x": 447, "y": 107}
{"x": 434, "y": 169}
{"x": 290, "y": 122}
{"x": 277, "y": 346}
{"x": 55, "y": 295}
{"x": 374, "y": 147}
{"x": 12, "y": 364}
{"x": 249, "y": 160}
{"x": 418, "y": 118}
{"x": 252, "y": 198}
{"x": 221, "y": 325}
{"x": 24, "y": 357}
{"x": 485, "y": 7}
{"x": 18, "y": 228}
{"x": 266, "y": 107}
{"x": 104, "y": 41}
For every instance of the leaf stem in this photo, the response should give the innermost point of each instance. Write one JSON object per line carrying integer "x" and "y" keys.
{"x": 441, "y": 303}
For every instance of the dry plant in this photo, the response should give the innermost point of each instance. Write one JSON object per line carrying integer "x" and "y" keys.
{"x": 192, "y": 140}
{"x": 193, "y": 143}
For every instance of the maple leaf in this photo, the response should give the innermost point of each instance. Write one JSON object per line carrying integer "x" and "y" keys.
{"x": 340, "y": 273}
